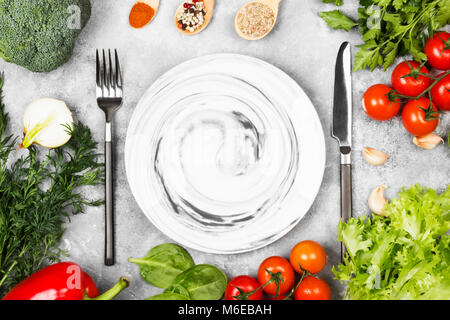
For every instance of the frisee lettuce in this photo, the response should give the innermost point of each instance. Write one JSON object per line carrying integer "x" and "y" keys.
{"x": 404, "y": 255}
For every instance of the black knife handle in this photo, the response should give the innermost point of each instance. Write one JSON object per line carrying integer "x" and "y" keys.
{"x": 109, "y": 205}
{"x": 346, "y": 197}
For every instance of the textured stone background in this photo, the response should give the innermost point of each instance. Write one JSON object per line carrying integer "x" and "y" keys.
{"x": 301, "y": 45}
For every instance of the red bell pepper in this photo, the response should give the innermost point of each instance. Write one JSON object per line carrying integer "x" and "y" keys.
{"x": 62, "y": 281}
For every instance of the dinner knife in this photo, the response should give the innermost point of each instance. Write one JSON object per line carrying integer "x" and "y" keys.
{"x": 342, "y": 127}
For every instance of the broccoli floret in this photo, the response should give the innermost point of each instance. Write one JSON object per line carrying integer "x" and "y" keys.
{"x": 40, "y": 34}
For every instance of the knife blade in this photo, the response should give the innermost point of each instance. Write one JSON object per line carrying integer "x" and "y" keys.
{"x": 342, "y": 106}
{"x": 342, "y": 127}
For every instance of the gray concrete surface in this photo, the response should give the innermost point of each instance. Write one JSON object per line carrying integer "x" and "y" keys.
{"x": 301, "y": 45}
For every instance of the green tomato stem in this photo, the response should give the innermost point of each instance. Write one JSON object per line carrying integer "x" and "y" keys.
{"x": 304, "y": 273}
{"x": 396, "y": 95}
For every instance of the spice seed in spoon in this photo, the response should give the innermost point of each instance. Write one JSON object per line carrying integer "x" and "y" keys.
{"x": 192, "y": 16}
{"x": 255, "y": 20}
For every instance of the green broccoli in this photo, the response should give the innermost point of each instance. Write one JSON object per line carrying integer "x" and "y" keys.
{"x": 40, "y": 34}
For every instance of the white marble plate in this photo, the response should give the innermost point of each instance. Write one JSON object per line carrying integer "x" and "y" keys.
{"x": 225, "y": 153}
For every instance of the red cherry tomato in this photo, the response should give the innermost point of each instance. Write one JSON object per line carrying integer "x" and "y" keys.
{"x": 276, "y": 264}
{"x": 440, "y": 93}
{"x": 312, "y": 288}
{"x": 246, "y": 284}
{"x": 409, "y": 86}
{"x": 309, "y": 255}
{"x": 376, "y": 103}
{"x": 438, "y": 51}
{"x": 413, "y": 117}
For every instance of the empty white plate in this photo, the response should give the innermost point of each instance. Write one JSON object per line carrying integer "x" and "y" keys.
{"x": 225, "y": 153}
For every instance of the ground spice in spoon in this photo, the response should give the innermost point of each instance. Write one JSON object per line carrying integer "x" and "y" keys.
{"x": 141, "y": 14}
{"x": 255, "y": 19}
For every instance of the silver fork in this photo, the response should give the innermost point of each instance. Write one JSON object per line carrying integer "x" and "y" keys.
{"x": 109, "y": 99}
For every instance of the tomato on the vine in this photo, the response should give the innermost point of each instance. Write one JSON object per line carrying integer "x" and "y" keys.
{"x": 437, "y": 50}
{"x": 417, "y": 121}
{"x": 277, "y": 267}
{"x": 308, "y": 255}
{"x": 440, "y": 93}
{"x": 247, "y": 284}
{"x": 410, "y": 86}
{"x": 312, "y": 288}
{"x": 376, "y": 103}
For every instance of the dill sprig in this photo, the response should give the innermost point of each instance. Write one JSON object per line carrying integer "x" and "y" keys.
{"x": 37, "y": 195}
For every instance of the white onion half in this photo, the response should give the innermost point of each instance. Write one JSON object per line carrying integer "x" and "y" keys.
{"x": 46, "y": 122}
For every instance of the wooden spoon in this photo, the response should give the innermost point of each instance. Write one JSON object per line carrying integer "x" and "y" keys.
{"x": 155, "y": 6}
{"x": 273, "y": 4}
{"x": 208, "y": 6}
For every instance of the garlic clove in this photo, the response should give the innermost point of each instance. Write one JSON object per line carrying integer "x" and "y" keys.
{"x": 377, "y": 200}
{"x": 374, "y": 157}
{"x": 430, "y": 141}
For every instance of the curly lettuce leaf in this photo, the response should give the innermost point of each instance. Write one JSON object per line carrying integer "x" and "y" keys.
{"x": 405, "y": 255}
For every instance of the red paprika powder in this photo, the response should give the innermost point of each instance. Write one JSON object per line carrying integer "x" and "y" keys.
{"x": 141, "y": 14}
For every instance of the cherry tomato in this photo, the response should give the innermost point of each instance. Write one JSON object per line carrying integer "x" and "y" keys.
{"x": 309, "y": 255}
{"x": 312, "y": 288}
{"x": 376, "y": 103}
{"x": 414, "y": 118}
{"x": 246, "y": 284}
{"x": 440, "y": 93}
{"x": 409, "y": 86}
{"x": 438, "y": 51}
{"x": 276, "y": 264}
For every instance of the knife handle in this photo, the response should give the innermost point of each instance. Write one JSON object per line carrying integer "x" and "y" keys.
{"x": 346, "y": 197}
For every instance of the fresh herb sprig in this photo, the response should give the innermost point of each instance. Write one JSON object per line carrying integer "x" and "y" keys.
{"x": 37, "y": 197}
{"x": 391, "y": 28}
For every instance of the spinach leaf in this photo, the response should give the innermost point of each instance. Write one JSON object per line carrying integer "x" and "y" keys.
{"x": 168, "y": 296}
{"x": 163, "y": 263}
{"x": 178, "y": 289}
{"x": 203, "y": 282}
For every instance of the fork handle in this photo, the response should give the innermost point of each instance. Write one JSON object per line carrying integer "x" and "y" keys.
{"x": 109, "y": 204}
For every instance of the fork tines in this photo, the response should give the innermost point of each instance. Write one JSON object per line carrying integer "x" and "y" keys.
{"x": 109, "y": 79}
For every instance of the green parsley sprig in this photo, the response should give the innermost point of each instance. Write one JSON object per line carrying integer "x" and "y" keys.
{"x": 391, "y": 28}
